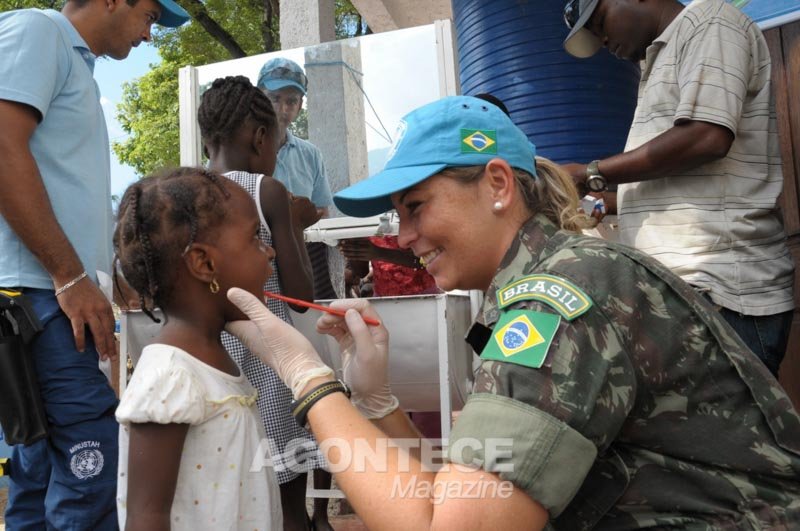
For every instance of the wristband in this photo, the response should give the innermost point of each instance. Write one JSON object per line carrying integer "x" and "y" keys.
{"x": 71, "y": 283}
{"x": 302, "y": 405}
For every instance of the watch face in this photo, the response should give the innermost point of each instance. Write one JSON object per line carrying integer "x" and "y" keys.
{"x": 596, "y": 183}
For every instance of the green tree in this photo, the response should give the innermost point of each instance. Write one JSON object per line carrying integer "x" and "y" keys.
{"x": 8, "y": 5}
{"x": 349, "y": 22}
{"x": 299, "y": 127}
{"x": 149, "y": 111}
{"x": 220, "y": 30}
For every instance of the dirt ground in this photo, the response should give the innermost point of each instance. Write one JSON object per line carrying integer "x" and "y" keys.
{"x": 340, "y": 523}
{"x": 3, "y": 499}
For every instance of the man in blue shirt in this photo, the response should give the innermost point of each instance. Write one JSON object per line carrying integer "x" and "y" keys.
{"x": 55, "y": 234}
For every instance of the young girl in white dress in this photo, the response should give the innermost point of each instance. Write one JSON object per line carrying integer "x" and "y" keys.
{"x": 190, "y": 439}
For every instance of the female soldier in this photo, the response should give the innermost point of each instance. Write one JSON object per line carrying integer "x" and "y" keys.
{"x": 621, "y": 399}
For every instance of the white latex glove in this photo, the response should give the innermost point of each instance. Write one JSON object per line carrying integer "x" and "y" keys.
{"x": 365, "y": 356}
{"x": 276, "y": 342}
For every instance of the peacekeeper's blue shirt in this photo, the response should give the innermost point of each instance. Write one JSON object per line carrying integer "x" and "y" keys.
{"x": 302, "y": 172}
{"x": 47, "y": 65}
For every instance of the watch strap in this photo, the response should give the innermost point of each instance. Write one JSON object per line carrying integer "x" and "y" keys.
{"x": 595, "y": 181}
{"x": 302, "y": 405}
{"x": 593, "y": 168}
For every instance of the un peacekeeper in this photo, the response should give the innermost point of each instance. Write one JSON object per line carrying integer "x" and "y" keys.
{"x": 55, "y": 234}
{"x": 625, "y": 400}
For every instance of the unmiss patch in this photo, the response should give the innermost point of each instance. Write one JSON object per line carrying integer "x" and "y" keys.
{"x": 567, "y": 298}
{"x": 522, "y": 337}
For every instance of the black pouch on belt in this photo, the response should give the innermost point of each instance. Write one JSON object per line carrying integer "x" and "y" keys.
{"x": 22, "y": 413}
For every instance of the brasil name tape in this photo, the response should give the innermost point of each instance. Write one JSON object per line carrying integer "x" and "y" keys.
{"x": 564, "y": 296}
{"x": 522, "y": 337}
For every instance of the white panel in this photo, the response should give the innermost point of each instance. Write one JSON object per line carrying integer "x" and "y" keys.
{"x": 189, "y": 100}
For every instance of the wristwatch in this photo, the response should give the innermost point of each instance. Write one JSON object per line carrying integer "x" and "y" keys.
{"x": 595, "y": 181}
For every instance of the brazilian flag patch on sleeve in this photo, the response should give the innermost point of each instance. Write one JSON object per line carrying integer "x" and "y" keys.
{"x": 522, "y": 337}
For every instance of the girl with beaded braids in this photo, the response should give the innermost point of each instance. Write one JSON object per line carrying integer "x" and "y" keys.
{"x": 189, "y": 428}
{"x": 239, "y": 130}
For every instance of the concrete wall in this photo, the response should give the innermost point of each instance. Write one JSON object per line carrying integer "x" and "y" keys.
{"x": 388, "y": 15}
{"x": 336, "y": 110}
{"x": 306, "y": 22}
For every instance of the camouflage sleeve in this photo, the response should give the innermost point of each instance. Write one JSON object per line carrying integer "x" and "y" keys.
{"x": 553, "y": 420}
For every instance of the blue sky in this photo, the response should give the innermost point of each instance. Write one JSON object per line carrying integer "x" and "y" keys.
{"x": 110, "y": 76}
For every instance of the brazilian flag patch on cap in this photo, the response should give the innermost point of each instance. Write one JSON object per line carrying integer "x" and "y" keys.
{"x": 522, "y": 337}
{"x": 479, "y": 141}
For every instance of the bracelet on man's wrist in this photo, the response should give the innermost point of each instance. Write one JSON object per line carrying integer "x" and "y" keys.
{"x": 302, "y": 405}
{"x": 71, "y": 283}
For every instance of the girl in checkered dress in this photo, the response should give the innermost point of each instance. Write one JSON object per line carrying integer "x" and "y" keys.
{"x": 239, "y": 129}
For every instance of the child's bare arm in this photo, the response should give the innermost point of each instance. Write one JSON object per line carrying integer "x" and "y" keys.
{"x": 154, "y": 459}
{"x": 294, "y": 266}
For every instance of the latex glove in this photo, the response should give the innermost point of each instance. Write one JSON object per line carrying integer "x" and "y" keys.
{"x": 365, "y": 356}
{"x": 276, "y": 342}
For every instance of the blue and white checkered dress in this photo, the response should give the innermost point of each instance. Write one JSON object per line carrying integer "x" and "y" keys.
{"x": 294, "y": 450}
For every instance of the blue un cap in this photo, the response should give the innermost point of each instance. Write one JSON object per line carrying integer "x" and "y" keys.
{"x": 172, "y": 15}
{"x": 454, "y": 131}
{"x": 280, "y": 73}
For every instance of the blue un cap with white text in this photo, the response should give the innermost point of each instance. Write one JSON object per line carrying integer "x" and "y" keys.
{"x": 451, "y": 132}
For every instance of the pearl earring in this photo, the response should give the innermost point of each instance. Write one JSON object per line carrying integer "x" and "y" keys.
{"x": 498, "y": 206}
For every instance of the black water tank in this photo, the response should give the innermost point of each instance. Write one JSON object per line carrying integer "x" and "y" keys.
{"x": 572, "y": 109}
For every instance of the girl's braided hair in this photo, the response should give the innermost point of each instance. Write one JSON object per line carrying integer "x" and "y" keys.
{"x": 159, "y": 218}
{"x": 227, "y": 104}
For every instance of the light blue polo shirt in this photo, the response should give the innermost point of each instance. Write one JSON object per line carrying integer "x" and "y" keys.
{"x": 302, "y": 172}
{"x": 46, "y": 64}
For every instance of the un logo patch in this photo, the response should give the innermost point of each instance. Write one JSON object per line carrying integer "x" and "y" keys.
{"x": 87, "y": 460}
{"x": 87, "y": 463}
{"x": 399, "y": 134}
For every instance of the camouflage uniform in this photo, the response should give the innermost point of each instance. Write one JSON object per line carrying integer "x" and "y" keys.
{"x": 647, "y": 411}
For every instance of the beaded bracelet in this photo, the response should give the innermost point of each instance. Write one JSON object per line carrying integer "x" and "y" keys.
{"x": 301, "y": 406}
{"x": 71, "y": 283}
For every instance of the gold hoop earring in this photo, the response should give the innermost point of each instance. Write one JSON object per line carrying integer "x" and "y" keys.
{"x": 213, "y": 286}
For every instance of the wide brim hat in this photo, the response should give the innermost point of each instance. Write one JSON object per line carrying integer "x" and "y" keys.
{"x": 457, "y": 131}
{"x": 581, "y": 42}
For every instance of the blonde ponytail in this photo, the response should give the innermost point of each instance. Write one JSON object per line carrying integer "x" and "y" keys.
{"x": 551, "y": 193}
